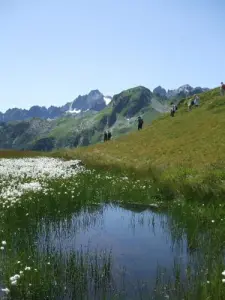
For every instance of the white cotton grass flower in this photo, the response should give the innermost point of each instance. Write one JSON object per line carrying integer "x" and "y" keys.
{"x": 2, "y": 248}
{"x": 27, "y": 268}
{"x": 223, "y": 280}
{"x": 24, "y": 175}
{"x": 15, "y": 277}
{"x": 3, "y": 242}
{"x": 5, "y": 290}
{"x": 14, "y": 282}
{"x": 213, "y": 221}
{"x": 223, "y": 273}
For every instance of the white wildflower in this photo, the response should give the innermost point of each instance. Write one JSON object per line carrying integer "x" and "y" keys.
{"x": 15, "y": 277}
{"x": 15, "y": 172}
{"x": 6, "y": 290}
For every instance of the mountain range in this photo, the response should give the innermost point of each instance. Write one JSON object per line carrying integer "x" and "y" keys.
{"x": 94, "y": 101}
{"x": 83, "y": 121}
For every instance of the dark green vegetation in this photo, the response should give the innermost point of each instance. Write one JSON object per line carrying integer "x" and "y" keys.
{"x": 56, "y": 271}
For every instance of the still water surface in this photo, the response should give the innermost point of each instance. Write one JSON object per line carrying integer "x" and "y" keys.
{"x": 138, "y": 239}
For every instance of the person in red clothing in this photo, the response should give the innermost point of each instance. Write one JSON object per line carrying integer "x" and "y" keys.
{"x": 222, "y": 89}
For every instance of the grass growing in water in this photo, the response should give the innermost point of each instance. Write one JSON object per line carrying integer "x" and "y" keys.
{"x": 30, "y": 214}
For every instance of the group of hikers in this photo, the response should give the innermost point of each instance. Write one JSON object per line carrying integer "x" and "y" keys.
{"x": 191, "y": 103}
{"x": 195, "y": 101}
{"x": 107, "y": 136}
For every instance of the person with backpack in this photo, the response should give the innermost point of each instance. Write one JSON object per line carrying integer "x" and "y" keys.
{"x": 173, "y": 110}
{"x": 140, "y": 123}
{"x": 196, "y": 100}
{"x": 190, "y": 104}
{"x": 222, "y": 89}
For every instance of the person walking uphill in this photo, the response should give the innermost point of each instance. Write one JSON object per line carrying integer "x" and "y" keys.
{"x": 140, "y": 123}
{"x": 222, "y": 89}
{"x": 173, "y": 110}
{"x": 196, "y": 100}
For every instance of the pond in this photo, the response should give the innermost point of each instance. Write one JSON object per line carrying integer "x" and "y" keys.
{"x": 137, "y": 242}
{"x": 70, "y": 233}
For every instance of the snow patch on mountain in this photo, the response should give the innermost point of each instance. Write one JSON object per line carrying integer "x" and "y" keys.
{"x": 107, "y": 99}
{"x": 74, "y": 111}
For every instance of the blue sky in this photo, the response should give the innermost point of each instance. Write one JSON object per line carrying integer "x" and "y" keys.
{"x": 51, "y": 51}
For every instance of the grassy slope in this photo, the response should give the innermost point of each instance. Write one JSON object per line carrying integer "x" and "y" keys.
{"x": 188, "y": 148}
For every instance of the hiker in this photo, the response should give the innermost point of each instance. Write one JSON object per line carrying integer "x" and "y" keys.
{"x": 196, "y": 100}
{"x": 190, "y": 104}
{"x": 105, "y": 136}
{"x": 173, "y": 110}
{"x": 140, "y": 123}
{"x": 109, "y": 135}
{"x": 222, "y": 89}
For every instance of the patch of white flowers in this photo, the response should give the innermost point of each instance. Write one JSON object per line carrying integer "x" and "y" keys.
{"x": 21, "y": 176}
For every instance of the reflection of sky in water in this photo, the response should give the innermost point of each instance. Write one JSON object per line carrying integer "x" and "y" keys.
{"x": 136, "y": 244}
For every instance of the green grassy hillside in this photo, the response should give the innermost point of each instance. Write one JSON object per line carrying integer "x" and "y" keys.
{"x": 186, "y": 149}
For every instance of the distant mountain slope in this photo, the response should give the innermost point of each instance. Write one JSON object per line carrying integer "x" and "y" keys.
{"x": 86, "y": 127}
{"x": 83, "y": 121}
{"x": 94, "y": 101}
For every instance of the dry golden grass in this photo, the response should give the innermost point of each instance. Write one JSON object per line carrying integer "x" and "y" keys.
{"x": 18, "y": 154}
{"x": 191, "y": 139}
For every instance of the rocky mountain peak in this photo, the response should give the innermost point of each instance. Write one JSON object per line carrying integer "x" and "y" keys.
{"x": 160, "y": 91}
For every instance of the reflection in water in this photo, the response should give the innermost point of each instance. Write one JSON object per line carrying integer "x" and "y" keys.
{"x": 139, "y": 242}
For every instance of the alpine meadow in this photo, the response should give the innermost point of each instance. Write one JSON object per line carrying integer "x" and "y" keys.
{"x": 112, "y": 150}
